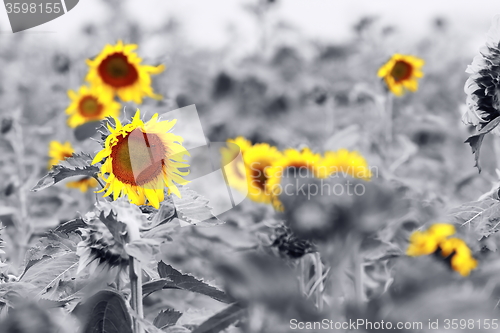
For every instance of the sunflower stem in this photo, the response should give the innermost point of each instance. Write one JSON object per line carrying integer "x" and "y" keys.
{"x": 136, "y": 291}
{"x": 358, "y": 274}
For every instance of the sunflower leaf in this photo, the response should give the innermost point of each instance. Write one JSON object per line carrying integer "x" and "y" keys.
{"x": 221, "y": 320}
{"x": 166, "y": 318}
{"x": 475, "y": 141}
{"x": 106, "y": 312}
{"x": 194, "y": 209}
{"x": 78, "y": 165}
{"x": 177, "y": 280}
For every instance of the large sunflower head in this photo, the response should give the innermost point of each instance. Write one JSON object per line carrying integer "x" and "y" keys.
{"x": 90, "y": 104}
{"x": 401, "y": 72}
{"x": 117, "y": 69}
{"x": 140, "y": 159}
{"x": 258, "y": 158}
{"x": 297, "y": 163}
{"x": 59, "y": 151}
{"x": 483, "y": 85}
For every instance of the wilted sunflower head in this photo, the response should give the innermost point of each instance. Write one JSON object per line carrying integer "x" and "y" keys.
{"x": 99, "y": 251}
{"x": 117, "y": 69}
{"x": 90, "y": 104}
{"x": 141, "y": 159}
{"x": 483, "y": 85}
{"x": 401, "y": 72}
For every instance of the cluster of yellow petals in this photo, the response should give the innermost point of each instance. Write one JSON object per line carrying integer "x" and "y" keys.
{"x": 437, "y": 239}
{"x": 263, "y": 167}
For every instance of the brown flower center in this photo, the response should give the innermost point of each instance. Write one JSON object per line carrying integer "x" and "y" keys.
{"x": 258, "y": 174}
{"x": 89, "y": 107}
{"x": 401, "y": 71}
{"x": 138, "y": 158}
{"x": 116, "y": 71}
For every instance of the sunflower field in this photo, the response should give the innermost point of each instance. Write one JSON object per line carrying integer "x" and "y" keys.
{"x": 148, "y": 185}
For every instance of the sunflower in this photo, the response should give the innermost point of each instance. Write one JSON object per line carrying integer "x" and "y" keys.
{"x": 483, "y": 85}
{"x": 140, "y": 159}
{"x": 401, "y": 72}
{"x": 235, "y": 169}
{"x": 258, "y": 159}
{"x": 293, "y": 162}
{"x": 346, "y": 162}
{"x": 59, "y": 152}
{"x": 88, "y": 104}
{"x": 462, "y": 260}
{"x": 427, "y": 242}
{"x": 437, "y": 240}
{"x": 83, "y": 184}
{"x": 117, "y": 69}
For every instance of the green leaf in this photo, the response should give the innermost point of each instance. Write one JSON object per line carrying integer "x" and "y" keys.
{"x": 142, "y": 249}
{"x": 49, "y": 271}
{"x": 193, "y": 208}
{"x": 475, "y": 141}
{"x": 107, "y": 313}
{"x": 166, "y": 318}
{"x": 177, "y": 280}
{"x": 86, "y": 130}
{"x": 78, "y": 165}
{"x": 150, "y": 287}
{"x": 220, "y": 321}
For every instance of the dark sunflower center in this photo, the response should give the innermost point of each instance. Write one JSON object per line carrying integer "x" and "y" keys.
{"x": 401, "y": 70}
{"x": 258, "y": 174}
{"x": 138, "y": 158}
{"x": 89, "y": 107}
{"x": 116, "y": 71}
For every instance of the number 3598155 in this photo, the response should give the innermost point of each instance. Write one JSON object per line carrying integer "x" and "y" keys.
{"x": 25, "y": 7}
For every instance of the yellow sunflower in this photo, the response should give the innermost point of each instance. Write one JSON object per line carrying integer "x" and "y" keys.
{"x": 346, "y": 162}
{"x": 427, "y": 242}
{"x": 59, "y": 152}
{"x": 88, "y": 104}
{"x": 83, "y": 184}
{"x": 140, "y": 159}
{"x": 235, "y": 169}
{"x": 117, "y": 69}
{"x": 291, "y": 159}
{"x": 462, "y": 260}
{"x": 401, "y": 72}
{"x": 258, "y": 159}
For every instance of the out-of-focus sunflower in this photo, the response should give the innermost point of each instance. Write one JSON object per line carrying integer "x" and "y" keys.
{"x": 462, "y": 260}
{"x": 401, "y": 72}
{"x": 345, "y": 162}
{"x": 117, "y": 69}
{"x": 83, "y": 184}
{"x": 140, "y": 159}
{"x": 235, "y": 168}
{"x": 59, "y": 151}
{"x": 303, "y": 163}
{"x": 88, "y": 104}
{"x": 427, "y": 242}
{"x": 258, "y": 159}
